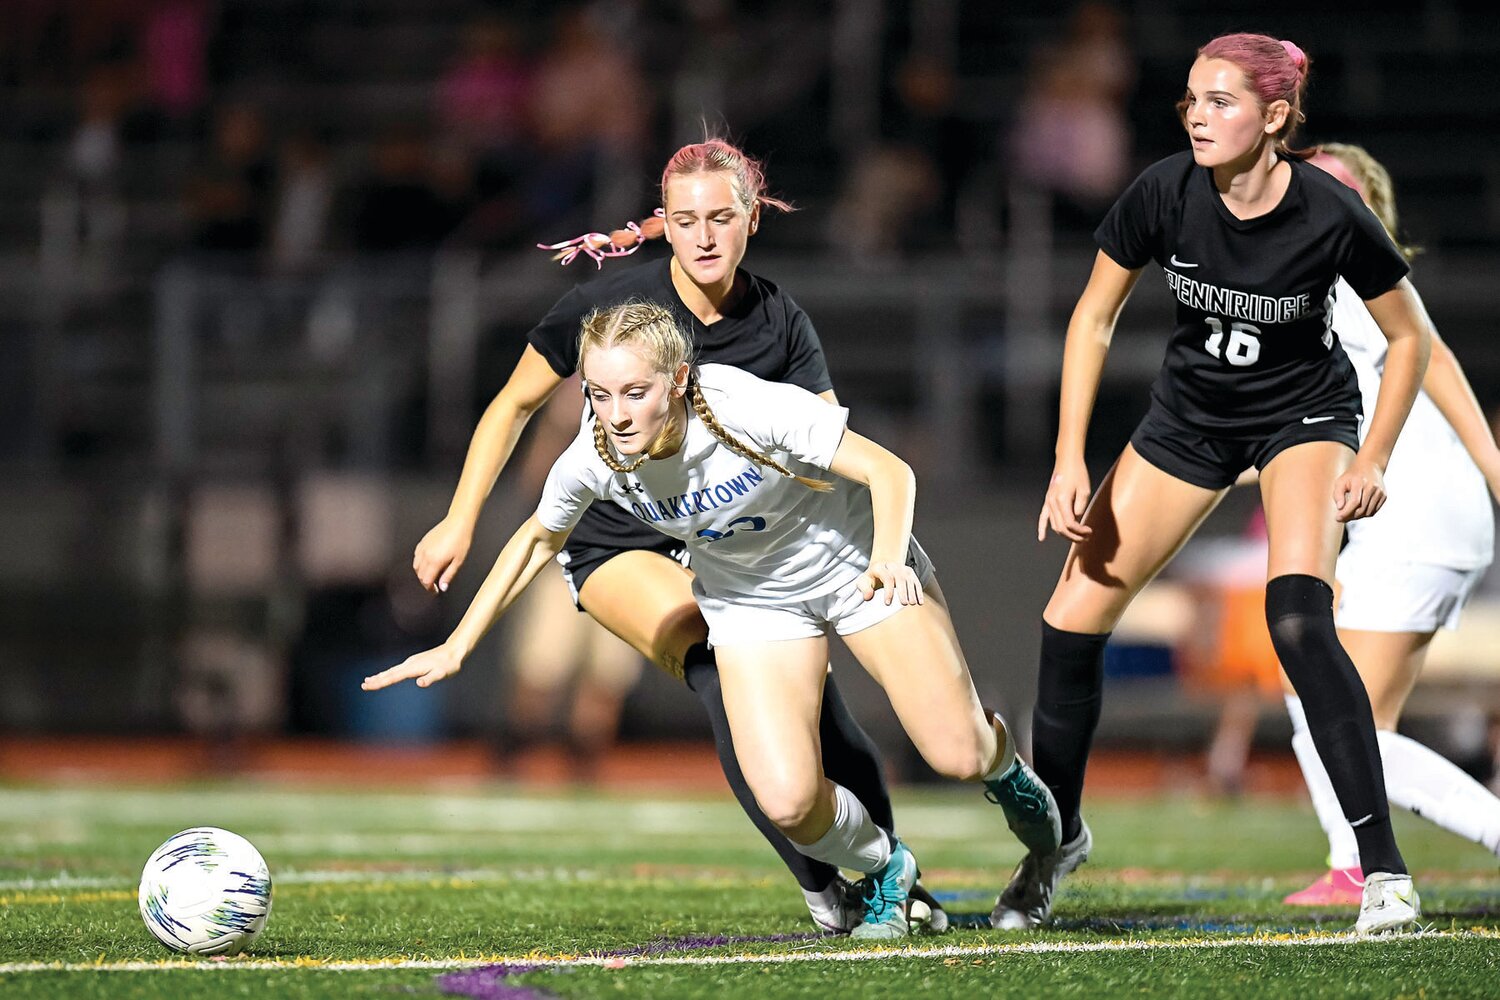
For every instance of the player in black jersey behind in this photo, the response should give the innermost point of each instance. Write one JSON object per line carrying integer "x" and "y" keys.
{"x": 1251, "y": 241}
{"x": 630, "y": 578}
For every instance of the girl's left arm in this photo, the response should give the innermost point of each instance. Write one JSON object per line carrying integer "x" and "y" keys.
{"x": 893, "y": 494}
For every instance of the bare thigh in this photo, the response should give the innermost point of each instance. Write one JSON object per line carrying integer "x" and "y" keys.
{"x": 915, "y": 657}
{"x": 647, "y": 600}
{"x": 773, "y": 696}
{"x": 1141, "y": 517}
{"x": 1296, "y": 490}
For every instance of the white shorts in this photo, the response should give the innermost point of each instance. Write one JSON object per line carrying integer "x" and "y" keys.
{"x": 1381, "y": 594}
{"x": 844, "y": 611}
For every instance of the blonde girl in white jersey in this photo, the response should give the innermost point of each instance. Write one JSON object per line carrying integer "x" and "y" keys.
{"x": 1406, "y": 572}
{"x": 730, "y": 464}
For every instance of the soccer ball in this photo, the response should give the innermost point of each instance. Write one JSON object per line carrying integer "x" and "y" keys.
{"x": 205, "y": 891}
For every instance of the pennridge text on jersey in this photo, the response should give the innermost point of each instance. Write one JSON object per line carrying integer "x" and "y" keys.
{"x": 1237, "y": 305}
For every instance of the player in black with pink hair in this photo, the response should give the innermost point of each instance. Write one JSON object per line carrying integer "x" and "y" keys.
{"x": 1251, "y": 241}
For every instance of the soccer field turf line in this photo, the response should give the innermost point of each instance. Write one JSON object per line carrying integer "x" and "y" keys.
{"x": 760, "y": 958}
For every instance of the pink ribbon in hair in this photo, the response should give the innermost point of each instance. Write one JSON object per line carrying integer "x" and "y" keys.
{"x": 597, "y": 246}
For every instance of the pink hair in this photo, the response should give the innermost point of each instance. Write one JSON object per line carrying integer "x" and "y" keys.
{"x": 1335, "y": 166}
{"x": 710, "y": 156}
{"x": 1276, "y": 70}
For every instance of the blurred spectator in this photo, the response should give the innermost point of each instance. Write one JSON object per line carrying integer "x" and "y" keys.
{"x": 558, "y": 657}
{"x": 229, "y": 195}
{"x": 398, "y": 207}
{"x": 589, "y": 114}
{"x": 1227, "y": 656}
{"x": 481, "y": 100}
{"x": 1071, "y": 136}
{"x": 303, "y": 201}
{"x": 174, "y": 45}
{"x": 901, "y": 194}
{"x": 84, "y": 214}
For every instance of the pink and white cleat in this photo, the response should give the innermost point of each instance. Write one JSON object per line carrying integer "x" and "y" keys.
{"x": 1340, "y": 887}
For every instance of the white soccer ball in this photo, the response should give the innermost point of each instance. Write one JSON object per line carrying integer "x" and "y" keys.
{"x": 206, "y": 891}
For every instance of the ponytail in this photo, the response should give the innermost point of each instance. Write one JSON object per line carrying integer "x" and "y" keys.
{"x": 617, "y": 243}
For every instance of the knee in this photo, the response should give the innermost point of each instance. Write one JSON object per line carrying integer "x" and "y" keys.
{"x": 1299, "y": 615}
{"x": 786, "y": 803}
{"x": 963, "y": 759}
{"x": 669, "y": 643}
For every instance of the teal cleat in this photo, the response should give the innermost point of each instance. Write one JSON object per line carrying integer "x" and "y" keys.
{"x": 1030, "y": 810}
{"x": 886, "y": 894}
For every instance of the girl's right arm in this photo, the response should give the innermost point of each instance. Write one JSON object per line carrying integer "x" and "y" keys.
{"x": 1089, "y": 334}
{"x": 443, "y": 549}
{"x": 1449, "y": 389}
{"x": 523, "y": 557}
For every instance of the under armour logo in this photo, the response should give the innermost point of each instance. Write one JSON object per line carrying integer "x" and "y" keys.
{"x": 629, "y": 488}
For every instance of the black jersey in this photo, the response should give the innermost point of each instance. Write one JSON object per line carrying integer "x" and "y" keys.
{"x": 1254, "y": 346}
{"x": 764, "y": 332}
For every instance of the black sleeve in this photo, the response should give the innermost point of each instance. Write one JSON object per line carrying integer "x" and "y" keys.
{"x": 1131, "y": 233}
{"x": 556, "y": 336}
{"x": 806, "y": 365}
{"x": 1371, "y": 262}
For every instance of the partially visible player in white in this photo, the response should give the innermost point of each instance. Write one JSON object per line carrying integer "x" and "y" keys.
{"x": 1406, "y": 572}
{"x": 727, "y": 462}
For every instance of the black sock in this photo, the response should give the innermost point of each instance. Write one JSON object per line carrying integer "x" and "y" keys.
{"x": 1069, "y": 693}
{"x": 851, "y": 759}
{"x": 1299, "y": 611}
{"x": 702, "y": 675}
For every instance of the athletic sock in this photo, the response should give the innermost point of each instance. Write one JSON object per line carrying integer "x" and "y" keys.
{"x": 853, "y": 841}
{"x": 702, "y": 676}
{"x": 850, "y": 757}
{"x": 1005, "y": 758}
{"x": 1070, "y": 687}
{"x": 1343, "y": 850}
{"x": 1436, "y": 789}
{"x": 1299, "y": 611}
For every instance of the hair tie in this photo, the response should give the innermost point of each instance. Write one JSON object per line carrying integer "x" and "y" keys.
{"x": 1295, "y": 53}
{"x": 597, "y": 246}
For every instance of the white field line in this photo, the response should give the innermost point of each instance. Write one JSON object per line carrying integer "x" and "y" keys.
{"x": 765, "y": 958}
{"x": 339, "y": 875}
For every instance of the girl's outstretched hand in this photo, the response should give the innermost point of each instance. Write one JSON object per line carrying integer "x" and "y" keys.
{"x": 428, "y": 667}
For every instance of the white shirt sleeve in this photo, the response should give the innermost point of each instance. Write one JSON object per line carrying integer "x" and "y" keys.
{"x": 776, "y": 416}
{"x": 570, "y": 486}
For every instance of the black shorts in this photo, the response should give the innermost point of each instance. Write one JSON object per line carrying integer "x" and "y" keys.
{"x": 579, "y": 561}
{"x": 1215, "y": 461}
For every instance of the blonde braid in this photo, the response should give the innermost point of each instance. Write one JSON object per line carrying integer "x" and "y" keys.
{"x": 601, "y": 445}
{"x": 700, "y": 407}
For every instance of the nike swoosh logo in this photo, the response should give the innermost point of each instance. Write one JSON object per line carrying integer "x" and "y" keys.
{"x": 1180, "y": 263}
{"x": 1363, "y": 819}
{"x": 1318, "y": 420}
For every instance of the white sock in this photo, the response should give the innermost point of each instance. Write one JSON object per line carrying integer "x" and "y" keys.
{"x": 1436, "y": 789}
{"x": 853, "y": 841}
{"x": 1006, "y": 759}
{"x": 1343, "y": 849}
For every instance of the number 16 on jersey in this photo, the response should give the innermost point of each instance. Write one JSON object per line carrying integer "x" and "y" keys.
{"x": 1243, "y": 348}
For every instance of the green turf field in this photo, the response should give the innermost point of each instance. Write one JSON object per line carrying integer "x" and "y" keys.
{"x": 460, "y": 893}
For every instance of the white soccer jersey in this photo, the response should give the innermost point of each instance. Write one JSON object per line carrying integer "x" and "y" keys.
{"x": 1438, "y": 506}
{"x": 756, "y": 537}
